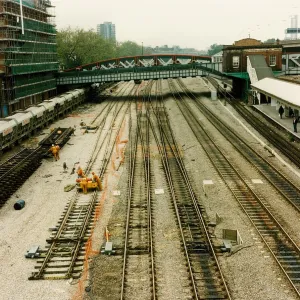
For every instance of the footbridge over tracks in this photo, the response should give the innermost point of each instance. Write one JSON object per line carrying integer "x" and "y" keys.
{"x": 144, "y": 67}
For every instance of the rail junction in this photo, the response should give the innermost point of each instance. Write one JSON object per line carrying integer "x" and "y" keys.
{"x": 161, "y": 227}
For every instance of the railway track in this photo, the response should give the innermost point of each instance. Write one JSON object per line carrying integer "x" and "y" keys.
{"x": 65, "y": 253}
{"x": 284, "y": 250}
{"x": 279, "y": 181}
{"x": 287, "y": 148}
{"x": 137, "y": 274}
{"x": 206, "y": 278}
{"x": 139, "y": 264}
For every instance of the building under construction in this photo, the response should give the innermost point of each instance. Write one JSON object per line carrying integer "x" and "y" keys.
{"x": 28, "y": 55}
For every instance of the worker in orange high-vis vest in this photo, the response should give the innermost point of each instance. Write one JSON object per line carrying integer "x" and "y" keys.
{"x": 97, "y": 179}
{"x": 57, "y": 149}
{"x": 80, "y": 172}
{"x": 53, "y": 150}
{"x": 84, "y": 185}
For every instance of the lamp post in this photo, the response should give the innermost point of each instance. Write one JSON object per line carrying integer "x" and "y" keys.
{"x": 142, "y": 48}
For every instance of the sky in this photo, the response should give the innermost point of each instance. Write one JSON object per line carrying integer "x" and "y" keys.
{"x": 186, "y": 23}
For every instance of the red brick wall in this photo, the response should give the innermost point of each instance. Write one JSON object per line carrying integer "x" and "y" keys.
{"x": 243, "y": 53}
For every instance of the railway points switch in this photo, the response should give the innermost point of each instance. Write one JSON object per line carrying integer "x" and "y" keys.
{"x": 33, "y": 252}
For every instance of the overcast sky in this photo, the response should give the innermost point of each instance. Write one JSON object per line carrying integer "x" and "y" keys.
{"x": 187, "y": 23}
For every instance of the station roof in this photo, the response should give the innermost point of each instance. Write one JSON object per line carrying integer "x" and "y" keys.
{"x": 258, "y": 62}
{"x": 281, "y": 90}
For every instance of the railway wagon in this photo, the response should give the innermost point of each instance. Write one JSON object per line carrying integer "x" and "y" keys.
{"x": 79, "y": 95}
{"x": 49, "y": 113}
{"x": 59, "y": 106}
{"x": 7, "y": 133}
{"x": 25, "y": 122}
{"x": 38, "y": 115}
{"x": 68, "y": 101}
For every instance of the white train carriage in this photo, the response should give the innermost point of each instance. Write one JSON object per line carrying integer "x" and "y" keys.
{"x": 25, "y": 123}
{"x": 7, "y": 133}
{"x": 57, "y": 104}
{"x": 60, "y": 105}
{"x": 81, "y": 95}
{"x": 49, "y": 113}
{"x": 38, "y": 114}
{"x": 69, "y": 101}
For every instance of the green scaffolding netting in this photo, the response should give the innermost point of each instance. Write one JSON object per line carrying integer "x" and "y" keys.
{"x": 29, "y": 3}
{"x": 35, "y": 88}
{"x": 33, "y": 78}
{"x": 34, "y": 68}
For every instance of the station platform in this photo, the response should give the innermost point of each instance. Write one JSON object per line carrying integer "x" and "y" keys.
{"x": 286, "y": 122}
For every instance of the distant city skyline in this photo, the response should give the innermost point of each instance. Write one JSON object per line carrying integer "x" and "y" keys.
{"x": 190, "y": 24}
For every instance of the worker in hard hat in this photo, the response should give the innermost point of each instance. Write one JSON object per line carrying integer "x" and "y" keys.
{"x": 80, "y": 172}
{"x": 57, "y": 149}
{"x": 53, "y": 150}
{"x": 84, "y": 185}
{"x": 97, "y": 179}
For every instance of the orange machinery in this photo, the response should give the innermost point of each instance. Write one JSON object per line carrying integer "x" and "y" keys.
{"x": 90, "y": 184}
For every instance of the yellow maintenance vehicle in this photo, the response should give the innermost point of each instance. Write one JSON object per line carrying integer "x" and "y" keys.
{"x": 85, "y": 184}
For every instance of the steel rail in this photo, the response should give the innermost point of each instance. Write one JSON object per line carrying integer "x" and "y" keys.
{"x": 192, "y": 194}
{"x": 276, "y": 178}
{"x": 164, "y": 157}
{"x": 109, "y": 103}
{"x": 291, "y": 152}
{"x": 133, "y": 182}
{"x": 22, "y": 161}
{"x": 71, "y": 206}
{"x": 132, "y": 158}
{"x": 260, "y": 216}
{"x": 146, "y": 150}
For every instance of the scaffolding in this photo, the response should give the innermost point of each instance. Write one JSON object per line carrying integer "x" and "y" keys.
{"x": 28, "y": 61}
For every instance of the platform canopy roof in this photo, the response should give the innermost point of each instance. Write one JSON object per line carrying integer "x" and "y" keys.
{"x": 283, "y": 91}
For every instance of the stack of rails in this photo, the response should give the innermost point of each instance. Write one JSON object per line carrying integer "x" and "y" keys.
{"x": 18, "y": 168}
{"x": 15, "y": 171}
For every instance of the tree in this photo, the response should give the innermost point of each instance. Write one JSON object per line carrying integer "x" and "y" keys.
{"x": 129, "y": 48}
{"x": 270, "y": 41}
{"x": 215, "y": 48}
{"x": 77, "y": 47}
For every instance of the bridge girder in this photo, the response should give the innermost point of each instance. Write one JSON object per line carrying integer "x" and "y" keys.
{"x": 145, "y": 60}
{"x": 138, "y": 73}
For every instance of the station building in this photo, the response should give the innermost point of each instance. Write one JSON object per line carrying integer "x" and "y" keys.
{"x": 28, "y": 54}
{"x": 235, "y": 58}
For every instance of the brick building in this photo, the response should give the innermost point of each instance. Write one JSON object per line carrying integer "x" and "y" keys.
{"x": 235, "y": 56}
{"x": 235, "y": 61}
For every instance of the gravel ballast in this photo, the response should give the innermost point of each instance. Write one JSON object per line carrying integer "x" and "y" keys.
{"x": 250, "y": 270}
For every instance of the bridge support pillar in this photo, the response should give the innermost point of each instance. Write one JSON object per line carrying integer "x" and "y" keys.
{"x": 240, "y": 88}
